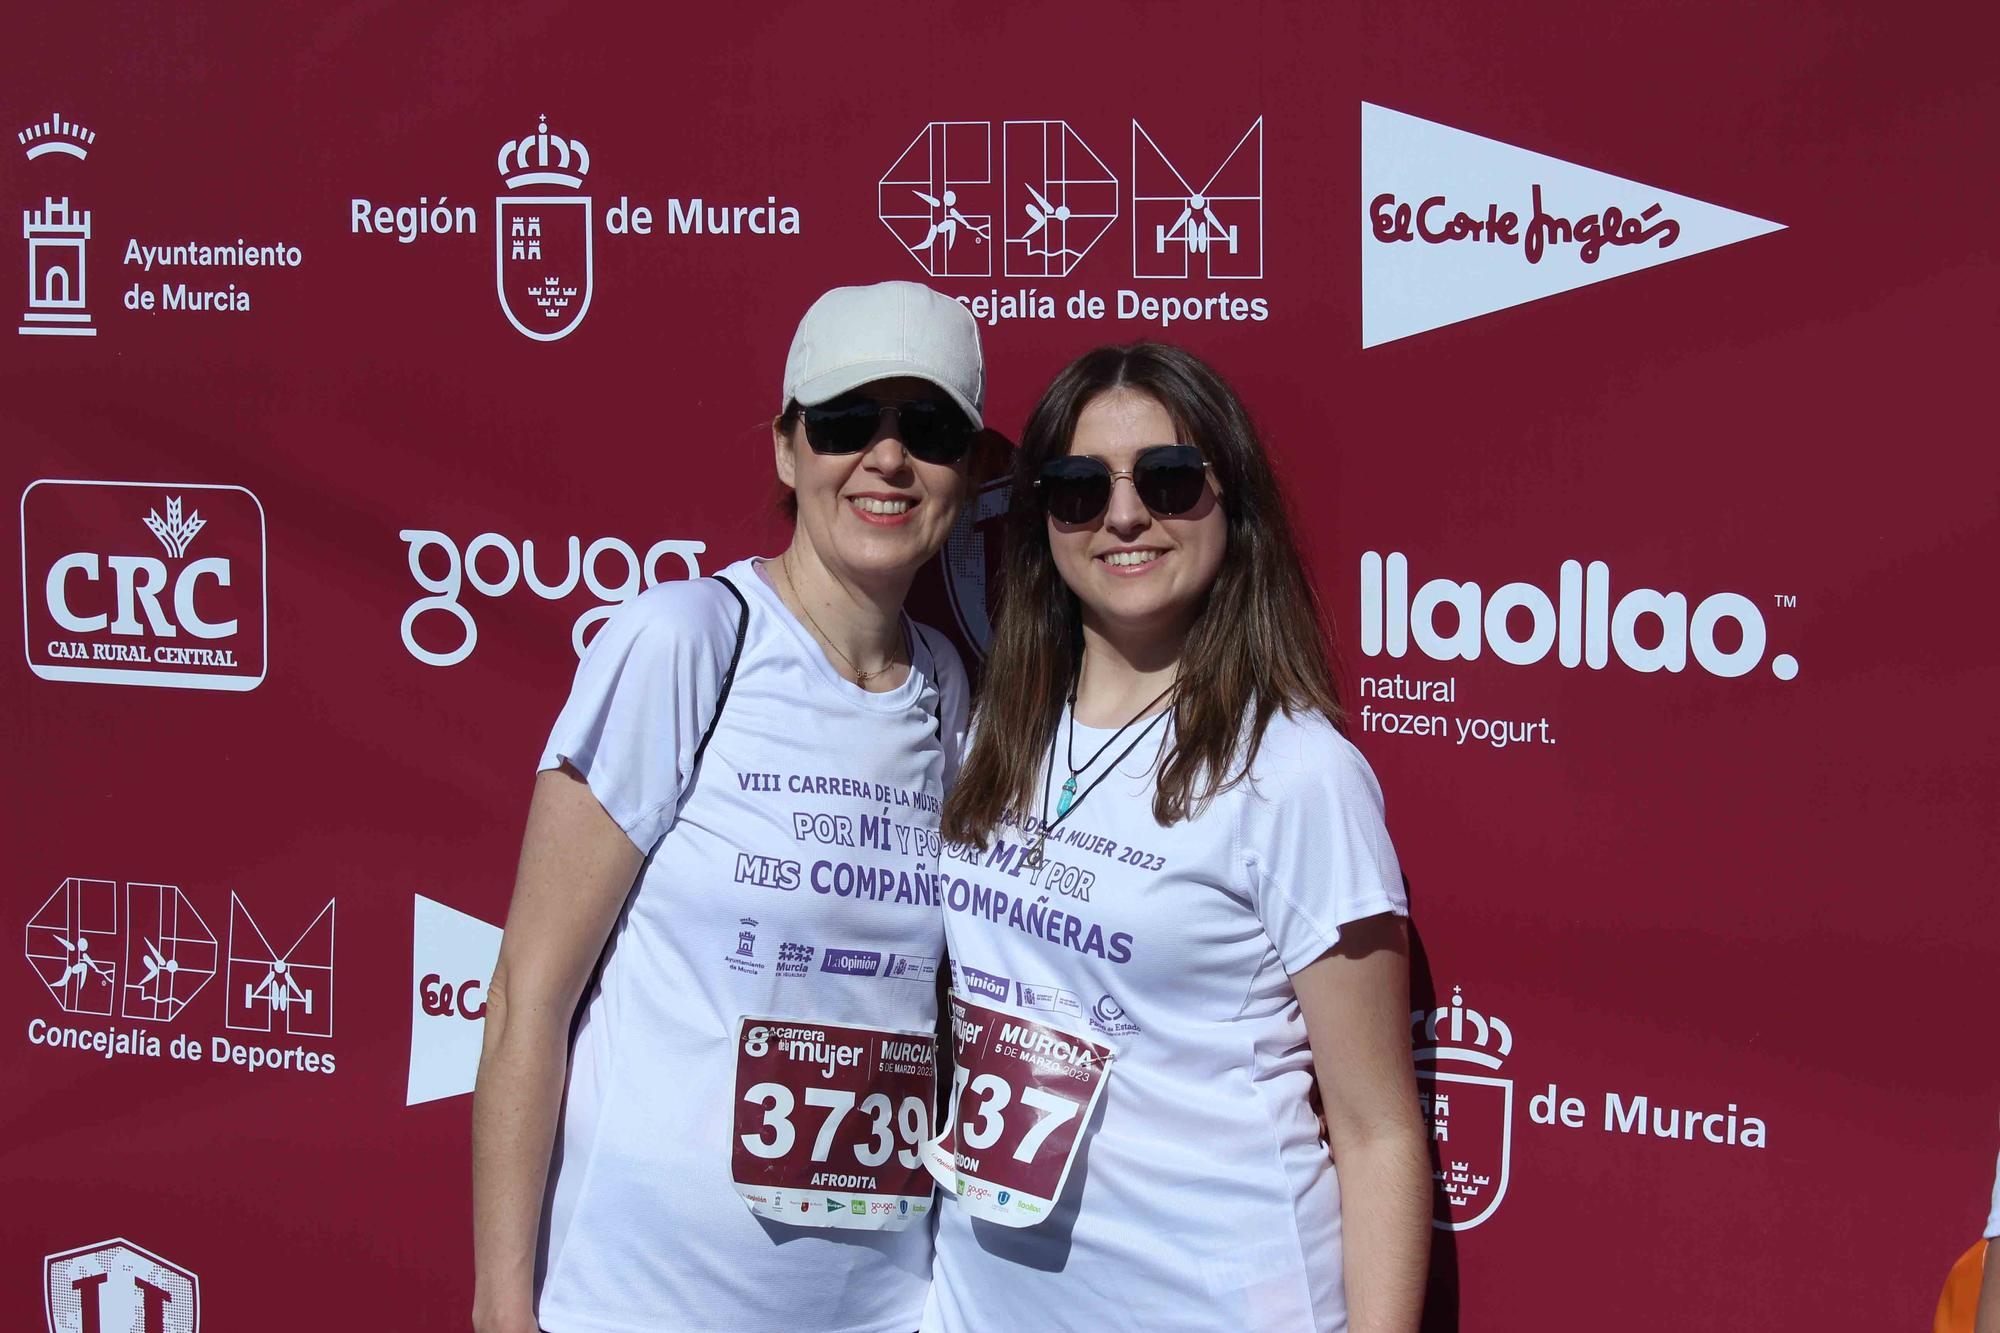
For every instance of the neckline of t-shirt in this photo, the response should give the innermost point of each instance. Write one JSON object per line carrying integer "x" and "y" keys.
{"x": 1097, "y": 736}
{"x": 1085, "y": 729}
{"x": 886, "y": 702}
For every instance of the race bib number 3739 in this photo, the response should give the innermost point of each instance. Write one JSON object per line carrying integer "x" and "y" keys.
{"x": 1021, "y": 1096}
{"x": 830, "y": 1123}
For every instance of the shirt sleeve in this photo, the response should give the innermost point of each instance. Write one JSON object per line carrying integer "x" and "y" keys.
{"x": 645, "y": 691}
{"x": 1312, "y": 840}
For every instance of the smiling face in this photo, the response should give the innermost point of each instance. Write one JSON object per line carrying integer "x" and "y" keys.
{"x": 879, "y": 514}
{"x": 1138, "y": 576}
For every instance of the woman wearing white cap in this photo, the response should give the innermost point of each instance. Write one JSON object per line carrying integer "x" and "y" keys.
{"x": 735, "y": 825}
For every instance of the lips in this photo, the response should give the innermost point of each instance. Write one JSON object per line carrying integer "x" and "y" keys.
{"x": 882, "y": 510}
{"x": 1131, "y": 560}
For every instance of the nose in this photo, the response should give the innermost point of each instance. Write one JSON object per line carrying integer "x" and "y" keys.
{"x": 1126, "y": 515}
{"x": 885, "y": 453}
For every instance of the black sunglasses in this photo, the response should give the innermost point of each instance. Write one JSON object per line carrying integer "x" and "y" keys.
{"x": 936, "y": 432}
{"x": 1168, "y": 478}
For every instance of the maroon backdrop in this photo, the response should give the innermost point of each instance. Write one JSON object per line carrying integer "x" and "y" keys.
{"x": 1750, "y": 886}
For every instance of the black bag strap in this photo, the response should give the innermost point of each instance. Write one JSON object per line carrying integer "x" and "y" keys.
{"x": 728, "y": 677}
{"x": 937, "y": 680}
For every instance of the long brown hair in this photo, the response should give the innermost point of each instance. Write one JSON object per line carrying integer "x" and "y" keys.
{"x": 1259, "y": 643}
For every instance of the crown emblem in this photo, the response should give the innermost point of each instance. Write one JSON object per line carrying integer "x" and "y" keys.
{"x": 542, "y": 158}
{"x": 174, "y": 531}
{"x": 1442, "y": 1034}
{"x": 56, "y": 135}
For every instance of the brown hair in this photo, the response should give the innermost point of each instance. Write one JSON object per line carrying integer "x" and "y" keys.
{"x": 1259, "y": 643}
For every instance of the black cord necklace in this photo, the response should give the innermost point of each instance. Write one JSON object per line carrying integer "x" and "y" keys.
{"x": 1032, "y": 859}
{"x": 1069, "y": 796}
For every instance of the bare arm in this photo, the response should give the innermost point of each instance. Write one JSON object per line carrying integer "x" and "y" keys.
{"x": 577, "y": 865}
{"x": 1356, "y": 1002}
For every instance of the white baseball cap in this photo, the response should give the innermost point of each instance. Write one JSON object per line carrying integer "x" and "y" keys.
{"x": 853, "y": 335}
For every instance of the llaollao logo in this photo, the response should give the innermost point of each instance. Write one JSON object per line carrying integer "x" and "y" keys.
{"x": 1582, "y": 623}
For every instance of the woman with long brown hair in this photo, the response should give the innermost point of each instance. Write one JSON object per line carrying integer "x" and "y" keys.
{"x": 1172, "y": 907}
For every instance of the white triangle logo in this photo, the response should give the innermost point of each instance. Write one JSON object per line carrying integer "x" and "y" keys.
{"x": 450, "y": 966}
{"x": 1486, "y": 246}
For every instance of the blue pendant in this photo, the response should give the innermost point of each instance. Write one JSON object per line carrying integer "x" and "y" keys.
{"x": 1068, "y": 797}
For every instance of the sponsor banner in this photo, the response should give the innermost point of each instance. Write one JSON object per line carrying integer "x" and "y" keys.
{"x": 830, "y": 1122}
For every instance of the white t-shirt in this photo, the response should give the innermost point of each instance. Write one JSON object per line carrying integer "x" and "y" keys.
{"x": 646, "y": 1232}
{"x": 1201, "y": 1198}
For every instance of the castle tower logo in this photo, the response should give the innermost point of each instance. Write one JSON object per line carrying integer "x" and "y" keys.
{"x": 58, "y": 237}
{"x": 1470, "y": 1116}
{"x": 542, "y": 257}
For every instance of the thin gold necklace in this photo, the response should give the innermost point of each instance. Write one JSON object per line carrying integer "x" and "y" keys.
{"x": 861, "y": 677}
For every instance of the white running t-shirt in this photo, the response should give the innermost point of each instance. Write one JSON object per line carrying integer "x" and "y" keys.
{"x": 759, "y": 896}
{"x": 1201, "y": 1197}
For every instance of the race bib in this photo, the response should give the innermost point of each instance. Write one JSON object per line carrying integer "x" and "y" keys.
{"x": 830, "y": 1123}
{"x": 1020, "y": 1098}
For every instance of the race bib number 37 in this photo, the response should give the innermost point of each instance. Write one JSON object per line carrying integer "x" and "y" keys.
{"x": 830, "y": 1123}
{"x": 1020, "y": 1098}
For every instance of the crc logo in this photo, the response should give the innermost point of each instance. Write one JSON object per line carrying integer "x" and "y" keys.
{"x": 495, "y": 566}
{"x": 1057, "y": 199}
{"x": 143, "y": 583}
{"x": 1520, "y": 623}
{"x": 115, "y": 1286}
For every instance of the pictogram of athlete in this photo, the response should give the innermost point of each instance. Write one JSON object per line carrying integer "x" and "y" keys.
{"x": 1043, "y": 213}
{"x": 279, "y": 989}
{"x": 948, "y": 225}
{"x": 157, "y": 966}
{"x": 81, "y": 963}
{"x": 1198, "y": 226}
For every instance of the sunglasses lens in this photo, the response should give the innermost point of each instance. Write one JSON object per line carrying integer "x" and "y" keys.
{"x": 935, "y": 432}
{"x": 843, "y": 426}
{"x": 1169, "y": 479}
{"x": 1075, "y": 490}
